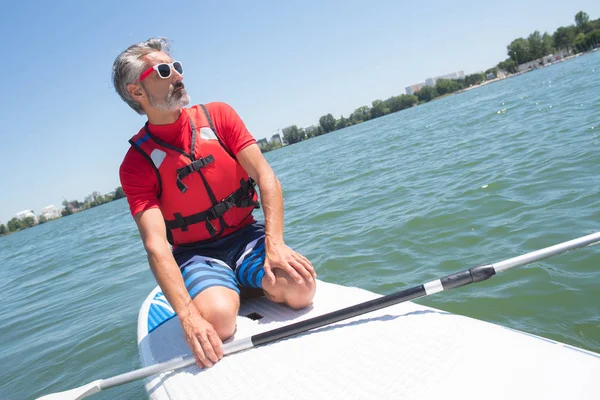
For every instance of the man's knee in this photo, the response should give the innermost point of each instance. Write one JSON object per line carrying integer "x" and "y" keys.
{"x": 286, "y": 290}
{"x": 301, "y": 296}
{"x": 219, "y": 306}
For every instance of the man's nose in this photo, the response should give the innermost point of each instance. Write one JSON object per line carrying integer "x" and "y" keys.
{"x": 176, "y": 76}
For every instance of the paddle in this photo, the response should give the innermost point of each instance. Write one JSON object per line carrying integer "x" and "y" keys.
{"x": 475, "y": 274}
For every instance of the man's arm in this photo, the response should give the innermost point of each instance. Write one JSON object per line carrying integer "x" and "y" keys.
{"x": 278, "y": 254}
{"x": 199, "y": 333}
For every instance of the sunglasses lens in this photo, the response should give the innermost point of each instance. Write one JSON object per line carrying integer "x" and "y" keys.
{"x": 164, "y": 70}
{"x": 178, "y": 67}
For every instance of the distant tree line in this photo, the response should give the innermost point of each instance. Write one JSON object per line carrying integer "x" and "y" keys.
{"x": 328, "y": 123}
{"x": 70, "y": 207}
{"x": 582, "y": 36}
{"x": 269, "y": 145}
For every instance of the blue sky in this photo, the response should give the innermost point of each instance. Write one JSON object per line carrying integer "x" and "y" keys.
{"x": 64, "y": 131}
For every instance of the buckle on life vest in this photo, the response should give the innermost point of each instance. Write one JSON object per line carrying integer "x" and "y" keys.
{"x": 219, "y": 209}
{"x": 190, "y": 169}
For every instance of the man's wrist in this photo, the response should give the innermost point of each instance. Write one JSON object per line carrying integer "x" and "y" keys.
{"x": 273, "y": 240}
{"x": 188, "y": 311}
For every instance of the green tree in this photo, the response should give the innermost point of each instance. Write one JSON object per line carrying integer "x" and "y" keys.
{"x": 119, "y": 193}
{"x": 474, "y": 79}
{"x": 275, "y": 144}
{"x": 342, "y": 123}
{"x": 427, "y": 93}
{"x": 518, "y": 50}
{"x": 593, "y": 38}
{"x": 3, "y": 230}
{"x": 547, "y": 44}
{"x": 378, "y": 109}
{"x": 394, "y": 104}
{"x": 15, "y": 224}
{"x": 42, "y": 219}
{"x": 445, "y": 86}
{"x": 564, "y": 37}
{"x": 536, "y": 46}
{"x": 407, "y": 101}
{"x": 292, "y": 135}
{"x": 327, "y": 122}
{"x": 28, "y": 222}
{"x": 582, "y": 21}
{"x": 361, "y": 114}
{"x": 580, "y": 42}
{"x": 313, "y": 131}
{"x": 509, "y": 65}
{"x": 67, "y": 211}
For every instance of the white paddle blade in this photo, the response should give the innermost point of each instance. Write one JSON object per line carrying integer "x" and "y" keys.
{"x": 75, "y": 394}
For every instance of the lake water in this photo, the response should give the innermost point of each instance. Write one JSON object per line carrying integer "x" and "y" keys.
{"x": 473, "y": 178}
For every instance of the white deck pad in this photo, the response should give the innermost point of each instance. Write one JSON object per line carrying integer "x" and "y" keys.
{"x": 406, "y": 351}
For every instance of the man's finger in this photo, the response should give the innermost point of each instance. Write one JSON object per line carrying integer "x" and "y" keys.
{"x": 207, "y": 347}
{"x": 307, "y": 264}
{"x": 302, "y": 270}
{"x": 304, "y": 258}
{"x": 201, "y": 359}
{"x": 270, "y": 274}
{"x": 293, "y": 273}
{"x": 216, "y": 343}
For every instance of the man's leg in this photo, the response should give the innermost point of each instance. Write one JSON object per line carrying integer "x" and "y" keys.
{"x": 250, "y": 273}
{"x": 219, "y": 306}
{"x": 287, "y": 290}
{"x": 213, "y": 288}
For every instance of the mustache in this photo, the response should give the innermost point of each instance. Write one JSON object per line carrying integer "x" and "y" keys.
{"x": 178, "y": 85}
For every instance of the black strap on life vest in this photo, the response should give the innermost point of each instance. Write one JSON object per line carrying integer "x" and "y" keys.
{"x": 242, "y": 197}
{"x": 191, "y": 168}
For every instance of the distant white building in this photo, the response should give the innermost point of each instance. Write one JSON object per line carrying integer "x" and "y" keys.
{"x": 453, "y": 75}
{"x": 311, "y": 130}
{"x": 277, "y": 138}
{"x": 546, "y": 60}
{"x": 26, "y": 213}
{"x": 50, "y": 212}
{"x": 414, "y": 88}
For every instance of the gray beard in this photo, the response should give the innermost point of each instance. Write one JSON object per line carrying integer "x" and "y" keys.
{"x": 172, "y": 101}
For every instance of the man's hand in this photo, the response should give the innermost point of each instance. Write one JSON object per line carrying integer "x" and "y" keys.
{"x": 294, "y": 263}
{"x": 202, "y": 339}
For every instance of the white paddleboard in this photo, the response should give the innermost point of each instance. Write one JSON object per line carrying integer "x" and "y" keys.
{"x": 406, "y": 351}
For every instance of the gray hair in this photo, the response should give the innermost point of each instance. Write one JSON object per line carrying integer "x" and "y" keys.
{"x": 129, "y": 65}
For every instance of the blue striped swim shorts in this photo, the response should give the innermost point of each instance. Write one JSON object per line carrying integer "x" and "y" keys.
{"x": 233, "y": 261}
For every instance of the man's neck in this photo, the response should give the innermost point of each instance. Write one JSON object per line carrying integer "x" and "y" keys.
{"x": 163, "y": 117}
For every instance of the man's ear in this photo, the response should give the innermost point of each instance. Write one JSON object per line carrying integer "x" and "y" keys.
{"x": 136, "y": 91}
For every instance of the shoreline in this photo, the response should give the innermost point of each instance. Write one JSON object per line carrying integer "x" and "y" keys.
{"x": 571, "y": 57}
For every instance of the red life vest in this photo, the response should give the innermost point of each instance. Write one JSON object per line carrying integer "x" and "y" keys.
{"x": 203, "y": 191}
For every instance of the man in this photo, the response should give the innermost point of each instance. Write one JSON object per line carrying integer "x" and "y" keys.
{"x": 188, "y": 178}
